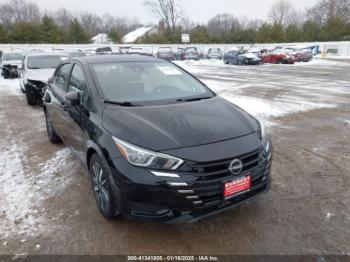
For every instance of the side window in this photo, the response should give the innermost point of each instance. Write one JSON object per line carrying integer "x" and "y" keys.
{"x": 61, "y": 77}
{"x": 77, "y": 82}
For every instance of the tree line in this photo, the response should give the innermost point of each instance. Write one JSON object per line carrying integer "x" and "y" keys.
{"x": 329, "y": 20}
{"x": 22, "y": 21}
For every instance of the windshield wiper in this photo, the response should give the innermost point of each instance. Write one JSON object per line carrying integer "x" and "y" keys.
{"x": 121, "y": 103}
{"x": 193, "y": 99}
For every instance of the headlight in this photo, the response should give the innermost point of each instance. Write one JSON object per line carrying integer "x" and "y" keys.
{"x": 145, "y": 158}
{"x": 261, "y": 130}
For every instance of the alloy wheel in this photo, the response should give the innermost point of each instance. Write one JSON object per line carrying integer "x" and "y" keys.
{"x": 100, "y": 186}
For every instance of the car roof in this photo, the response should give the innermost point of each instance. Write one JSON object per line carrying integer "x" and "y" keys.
{"x": 47, "y": 54}
{"x": 12, "y": 52}
{"x": 96, "y": 59}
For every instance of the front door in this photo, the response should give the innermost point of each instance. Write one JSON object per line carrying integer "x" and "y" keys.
{"x": 78, "y": 114}
{"x": 58, "y": 88}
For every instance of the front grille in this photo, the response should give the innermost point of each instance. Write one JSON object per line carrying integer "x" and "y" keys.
{"x": 219, "y": 170}
{"x": 208, "y": 178}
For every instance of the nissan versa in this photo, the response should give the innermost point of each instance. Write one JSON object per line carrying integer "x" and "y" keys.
{"x": 159, "y": 145}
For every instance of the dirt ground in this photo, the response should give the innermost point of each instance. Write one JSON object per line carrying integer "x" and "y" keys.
{"x": 47, "y": 206}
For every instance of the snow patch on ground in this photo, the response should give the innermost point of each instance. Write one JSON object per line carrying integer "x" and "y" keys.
{"x": 10, "y": 86}
{"x": 293, "y": 93}
{"x": 347, "y": 121}
{"x": 23, "y": 192}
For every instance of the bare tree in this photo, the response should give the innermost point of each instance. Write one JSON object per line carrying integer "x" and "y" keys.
{"x": 222, "y": 23}
{"x": 187, "y": 24}
{"x": 327, "y": 9}
{"x": 6, "y": 14}
{"x": 19, "y": 11}
{"x": 281, "y": 12}
{"x": 167, "y": 10}
{"x": 63, "y": 17}
{"x": 92, "y": 23}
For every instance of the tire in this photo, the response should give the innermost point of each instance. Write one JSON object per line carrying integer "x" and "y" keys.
{"x": 279, "y": 61}
{"x": 51, "y": 133}
{"x": 31, "y": 96}
{"x": 101, "y": 187}
{"x": 225, "y": 61}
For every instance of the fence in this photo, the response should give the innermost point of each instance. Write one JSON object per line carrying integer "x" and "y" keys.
{"x": 328, "y": 49}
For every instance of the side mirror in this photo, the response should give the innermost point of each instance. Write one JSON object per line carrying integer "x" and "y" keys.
{"x": 73, "y": 98}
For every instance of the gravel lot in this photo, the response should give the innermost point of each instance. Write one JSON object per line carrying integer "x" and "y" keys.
{"x": 47, "y": 207}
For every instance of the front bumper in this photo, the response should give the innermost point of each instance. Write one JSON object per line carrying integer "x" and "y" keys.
{"x": 163, "y": 199}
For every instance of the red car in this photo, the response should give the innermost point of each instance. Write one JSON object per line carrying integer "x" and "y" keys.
{"x": 277, "y": 57}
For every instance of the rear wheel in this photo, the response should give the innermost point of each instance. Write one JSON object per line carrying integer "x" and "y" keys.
{"x": 279, "y": 61}
{"x": 30, "y": 95}
{"x": 51, "y": 133}
{"x": 5, "y": 74}
{"x": 102, "y": 187}
{"x": 225, "y": 61}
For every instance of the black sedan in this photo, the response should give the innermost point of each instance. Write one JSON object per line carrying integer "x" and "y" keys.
{"x": 158, "y": 144}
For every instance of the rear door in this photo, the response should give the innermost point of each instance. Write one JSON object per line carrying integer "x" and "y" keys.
{"x": 58, "y": 88}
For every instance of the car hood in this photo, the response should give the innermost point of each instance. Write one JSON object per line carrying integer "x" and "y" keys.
{"x": 12, "y": 62}
{"x": 178, "y": 125}
{"x": 40, "y": 74}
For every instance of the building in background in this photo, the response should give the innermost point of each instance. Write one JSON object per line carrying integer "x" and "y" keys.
{"x": 101, "y": 39}
{"x": 140, "y": 32}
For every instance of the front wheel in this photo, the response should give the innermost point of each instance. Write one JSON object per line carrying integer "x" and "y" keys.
{"x": 51, "y": 133}
{"x": 102, "y": 188}
{"x": 30, "y": 95}
{"x": 225, "y": 61}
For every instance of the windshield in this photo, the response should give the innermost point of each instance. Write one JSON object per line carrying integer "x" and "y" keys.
{"x": 214, "y": 51}
{"x": 147, "y": 82}
{"x": 13, "y": 56}
{"x": 42, "y": 62}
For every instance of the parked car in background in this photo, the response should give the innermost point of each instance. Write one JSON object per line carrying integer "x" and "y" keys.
{"x": 277, "y": 57}
{"x": 135, "y": 50}
{"x": 214, "y": 53}
{"x": 37, "y": 69}
{"x": 234, "y": 58}
{"x": 251, "y": 58}
{"x": 104, "y": 50}
{"x": 75, "y": 53}
{"x": 308, "y": 55}
{"x": 10, "y": 63}
{"x": 166, "y": 53}
{"x": 192, "y": 53}
{"x": 180, "y": 53}
{"x": 158, "y": 144}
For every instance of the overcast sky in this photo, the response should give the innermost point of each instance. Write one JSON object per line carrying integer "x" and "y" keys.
{"x": 198, "y": 10}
